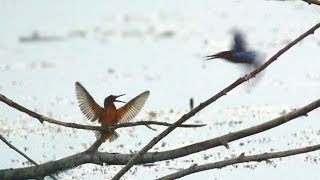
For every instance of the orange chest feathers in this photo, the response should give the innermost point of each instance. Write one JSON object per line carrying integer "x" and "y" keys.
{"x": 109, "y": 115}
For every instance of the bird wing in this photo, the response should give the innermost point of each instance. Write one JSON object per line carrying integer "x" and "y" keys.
{"x": 239, "y": 44}
{"x": 245, "y": 56}
{"x": 88, "y": 106}
{"x": 127, "y": 112}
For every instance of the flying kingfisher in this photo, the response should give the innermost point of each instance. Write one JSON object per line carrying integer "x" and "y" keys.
{"x": 238, "y": 53}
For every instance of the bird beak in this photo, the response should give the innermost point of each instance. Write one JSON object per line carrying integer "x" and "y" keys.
{"x": 119, "y": 100}
{"x": 210, "y": 57}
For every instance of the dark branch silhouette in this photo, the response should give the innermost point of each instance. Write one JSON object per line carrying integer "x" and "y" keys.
{"x": 187, "y": 116}
{"x": 21, "y": 153}
{"x": 121, "y": 159}
{"x": 43, "y": 118}
{"x": 240, "y": 159}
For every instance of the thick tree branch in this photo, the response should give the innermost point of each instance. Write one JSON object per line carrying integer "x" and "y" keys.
{"x": 240, "y": 159}
{"x": 21, "y": 153}
{"x": 43, "y": 118}
{"x": 121, "y": 159}
{"x": 185, "y": 117}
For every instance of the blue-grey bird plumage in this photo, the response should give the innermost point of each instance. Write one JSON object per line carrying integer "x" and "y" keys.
{"x": 239, "y": 43}
{"x": 238, "y": 53}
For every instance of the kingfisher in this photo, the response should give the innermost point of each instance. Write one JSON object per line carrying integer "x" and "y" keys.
{"x": 238, "y": 53}
{"x": 109, "y": 115}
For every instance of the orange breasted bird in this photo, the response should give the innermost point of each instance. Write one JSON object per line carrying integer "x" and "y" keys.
{"x": 109, "y": 115}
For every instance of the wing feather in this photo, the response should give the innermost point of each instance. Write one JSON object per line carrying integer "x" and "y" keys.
{"x": 127, "y": 112}
{"x": 87, "y": 104}
{"x": 239, "y": 43}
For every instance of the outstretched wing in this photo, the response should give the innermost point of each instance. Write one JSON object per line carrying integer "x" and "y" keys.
{"x": 239, "y": 43}
{"x": 249, "y": 57}
{"x": 87, "y": 104}
{"x": 127, "y": 112}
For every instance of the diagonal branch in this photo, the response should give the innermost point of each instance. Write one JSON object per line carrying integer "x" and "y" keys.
{"x": 185, "y": 117}
{"x": 315, "y": 2}
{"x": 17, "y": 150}
{"x": 240, "y": 159}
{"x": 43, "y": 118}
{"x": 122, "y": 159}
{"x": 21, "y": 153}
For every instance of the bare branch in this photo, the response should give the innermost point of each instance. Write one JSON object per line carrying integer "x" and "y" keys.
{"x": 185, "y": 117}
{"x": 23, "y": 109}
{"x": 21, "y": 153}
{"x": 148, "y": 126}
{"x": 121, "y": 159}
{"x": 240, "y": 159}
{"x": 43, "y": 118}
{"x": 17, "y": 150}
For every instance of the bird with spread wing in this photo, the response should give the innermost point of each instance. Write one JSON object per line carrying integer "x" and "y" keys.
{"x": 108, "y": 115}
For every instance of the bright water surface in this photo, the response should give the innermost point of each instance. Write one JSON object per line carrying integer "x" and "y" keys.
{"x": 115, "y": 47}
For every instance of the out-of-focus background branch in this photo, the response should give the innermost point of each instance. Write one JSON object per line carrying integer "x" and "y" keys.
{"x": 315, "y": 2}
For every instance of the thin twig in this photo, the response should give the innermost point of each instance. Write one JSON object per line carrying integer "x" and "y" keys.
{"x": 43, "y": 118}
{"x": 17, "y": 150}
{"x": 148, "y": 126}
{"x": 240, "y": 159}
{"x": 185, "y": 117}
{"x": 121, "y": 159}
{"x": 21, "y": 153}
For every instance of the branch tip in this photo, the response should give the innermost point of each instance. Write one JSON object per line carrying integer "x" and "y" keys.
{"x": 224, "y": 142}
{"x": 241, "y": 155}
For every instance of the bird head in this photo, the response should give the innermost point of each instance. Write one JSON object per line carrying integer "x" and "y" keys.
{"x": 112, "y": 99}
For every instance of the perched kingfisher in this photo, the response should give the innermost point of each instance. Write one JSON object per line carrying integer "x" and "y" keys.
{"x": 238, "y": 53}
{"x": 109, "y": 115}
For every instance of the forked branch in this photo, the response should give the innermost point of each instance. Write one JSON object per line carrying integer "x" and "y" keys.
{"x": 121, "y": 159}
{"x": 187, "y": 116}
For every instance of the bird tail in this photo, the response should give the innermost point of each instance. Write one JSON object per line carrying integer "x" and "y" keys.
{"x": 114, "y": 136}
{"x": 97, "y": 134}
{"x": 101, "y": 138}
{"x": 111, "y": 136}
